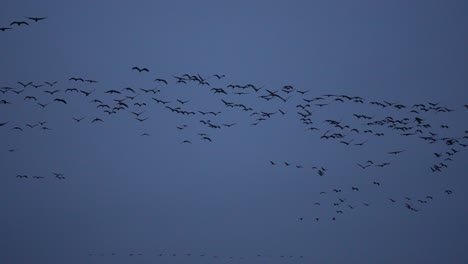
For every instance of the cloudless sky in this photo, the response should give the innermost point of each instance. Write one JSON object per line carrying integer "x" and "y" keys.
{"x": 124, "y": 193}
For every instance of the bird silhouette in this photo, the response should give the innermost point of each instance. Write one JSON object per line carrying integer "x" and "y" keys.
{"x": 36, "y": 19}
{"x": 19, "y": 23}
{"x": 140, "y": 69}
{"x": 60, "y": 100}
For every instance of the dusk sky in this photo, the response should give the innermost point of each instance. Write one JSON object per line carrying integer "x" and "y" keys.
{"x": 278, "y": 132}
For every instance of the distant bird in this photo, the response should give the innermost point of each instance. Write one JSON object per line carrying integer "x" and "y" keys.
{"x": 25, "y": 84}
{"x": 30, "y": 98}
{"x": 187, "y": 141}
{"x": 140, "y": 69}
{"x": 52, "y": 92}
{"x": 207, "y": 138}
{"x": 396, "y": 152}
{"x": 58, "y": 175}
{"x": 5, "y": 28}
{"x": 19, "y": 23}
{"x": 160, "y": 80}
{"x": 51, "y": 83}
{"x": 363, "y": 167}
{"x": 78, "y": 119}
{"x": 183, "y": 102}
{"x": 36, "y": 19}
{"x": 60, "y": 100}
{"x": 219, "y": 76}
{"x": 112, "y": 92}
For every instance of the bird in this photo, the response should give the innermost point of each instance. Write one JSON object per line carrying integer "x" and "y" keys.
{"x": 363, "y": 167}
{"x": 5, "y": 28}
{"x": 219, "y": 76}
{"x": 51, "y": 83}
{"x": 395, "y": 152}
{"x": 78, "y": 119}
{"x": 25, "y": 84}
{"x": 160, "y": 80}
{"x": 19, "y": 23}
{"x": 36, "y": 19}
{"x": 182, "y": 102}
{"x": 30, "y": 98}
{"x": 140, "y": 69}
{"x": 141, "y": 119}
{"x": 207, "y": 138}
{"x": 60, "y": 100}
{"x": 52, "y": 92}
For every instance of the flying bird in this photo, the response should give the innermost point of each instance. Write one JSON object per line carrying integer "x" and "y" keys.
{"x": 19, "y": 23}
{"x": 36, "y": 19}
{"x": 140, "y": 69}
{"x": 60, "y": 100}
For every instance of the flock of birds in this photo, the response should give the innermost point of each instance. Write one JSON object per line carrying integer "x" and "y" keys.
{"x": 409, "y": 121}
{"x": 20, "y": 23}
{"x": 199, "y": 255}
{"x": 135, "y": 102}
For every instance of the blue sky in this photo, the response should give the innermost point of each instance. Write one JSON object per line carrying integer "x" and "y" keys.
{"x": 129, "y": 194}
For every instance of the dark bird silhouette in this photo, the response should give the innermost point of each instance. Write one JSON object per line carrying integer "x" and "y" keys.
{"x": 78, "y": 119}
{"x": 219, "y": 76}
{"x": 25, "y": 84}
{"x": 72, "y": 90}
{"x": 96, "y": 120}
{"x": 51, "y": 83}
{"x": 207, "y": 138}
{"x": 36, "y": 19}
{"x": 395, "y": 152}
{"x": 52, "y": 92}
{"x": 363, "y": 167}
{"x": 112, "y": 92}
{"x": 19, "y": 23}
{"x": 60, "y": 100}
{"x": 140, "y": 69}
{"x": 160, "y": 80}
{"x": 229, "y": 125}
{"x": 30, "y": 98}
{"x": 87, "y": 93}
{"x": 183, "y": 102}
{"x": 5, "y": 28}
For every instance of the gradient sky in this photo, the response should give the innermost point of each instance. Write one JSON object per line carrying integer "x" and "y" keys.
{"x": 130, "y": 194}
